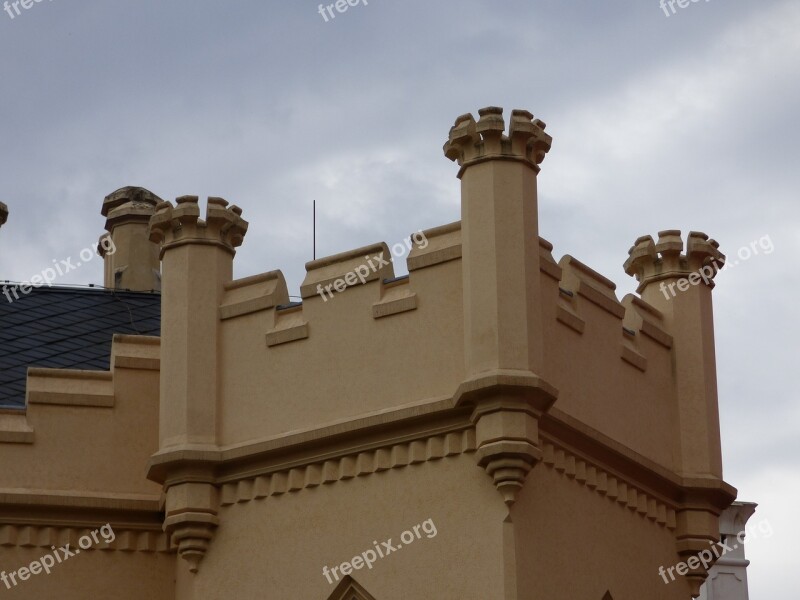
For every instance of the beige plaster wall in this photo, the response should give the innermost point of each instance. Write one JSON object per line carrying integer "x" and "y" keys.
{"x": 575, "y": 544}
{"x": 277, "y": 547}
{"x": 349, "y": 365}
{"x": 93, "y": 574}
{"x": 352, "y": 364}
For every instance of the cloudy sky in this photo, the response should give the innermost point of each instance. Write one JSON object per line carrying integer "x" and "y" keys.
{"x": 685, "y": 121}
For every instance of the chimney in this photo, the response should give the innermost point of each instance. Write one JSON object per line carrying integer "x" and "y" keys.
{"x": 131, "y": 259}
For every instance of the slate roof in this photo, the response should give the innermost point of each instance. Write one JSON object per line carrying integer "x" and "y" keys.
{"x": 66, "y": 328}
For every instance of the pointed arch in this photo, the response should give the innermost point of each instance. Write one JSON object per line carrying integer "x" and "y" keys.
{"x": 608, "y": 596}
{"x": 350, "y": 589}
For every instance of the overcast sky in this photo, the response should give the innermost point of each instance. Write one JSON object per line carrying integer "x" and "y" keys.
{"x": 686, "y": 121}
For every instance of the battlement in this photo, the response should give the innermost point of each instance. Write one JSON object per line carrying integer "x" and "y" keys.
{"x": 180, "y": 224}
{"x": 347, "y": 269}
{"x": 471, "y": 142}
{"x": 650, "y": 262}
{"x": 380, "y": 320}
{"x": 70, "y": 413}
{"x": 483, "y": 296}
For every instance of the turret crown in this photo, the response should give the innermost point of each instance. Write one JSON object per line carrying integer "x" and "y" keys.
{"x": 471, "y": 142}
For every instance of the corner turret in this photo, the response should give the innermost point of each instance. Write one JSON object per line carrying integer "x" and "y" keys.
{"x": 679, "y": 284}
{"x": 503, "y": 338}
{"x": 197, "y": 256}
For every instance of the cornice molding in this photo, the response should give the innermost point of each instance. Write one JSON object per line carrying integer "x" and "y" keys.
{"x": 348, "y": 466}
{"x": 375, "y": 443}
{"x": 126, "y": 540}
{"x": 46, "y": 518}
{"x": 610, "y": 485}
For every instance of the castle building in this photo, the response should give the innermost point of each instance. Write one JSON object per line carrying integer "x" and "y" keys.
{"x": 494, "y": 425}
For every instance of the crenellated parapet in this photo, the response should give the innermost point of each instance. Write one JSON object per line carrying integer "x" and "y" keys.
{"x": 181, "y": 224}
{"x": 72, "y": 461}
{"x": 471, "y": 142}
{"x": 650, "y": 262}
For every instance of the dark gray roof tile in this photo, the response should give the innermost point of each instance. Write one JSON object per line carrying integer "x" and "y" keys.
{"x": 67, "y": 328}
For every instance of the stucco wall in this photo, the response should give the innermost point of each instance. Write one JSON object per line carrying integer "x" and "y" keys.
{"x": 277, "y": 547}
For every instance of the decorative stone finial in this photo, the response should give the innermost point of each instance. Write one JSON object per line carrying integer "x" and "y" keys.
{"x": 3, "y": 213}
{"x": 649, "y": 261}
{"x": 138, "y": 195}
{"x": 127, "y": 211}
{"x": 470, "y": 142}
{"x": 181, "y": 224}
{"x": 192, "y": 532}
